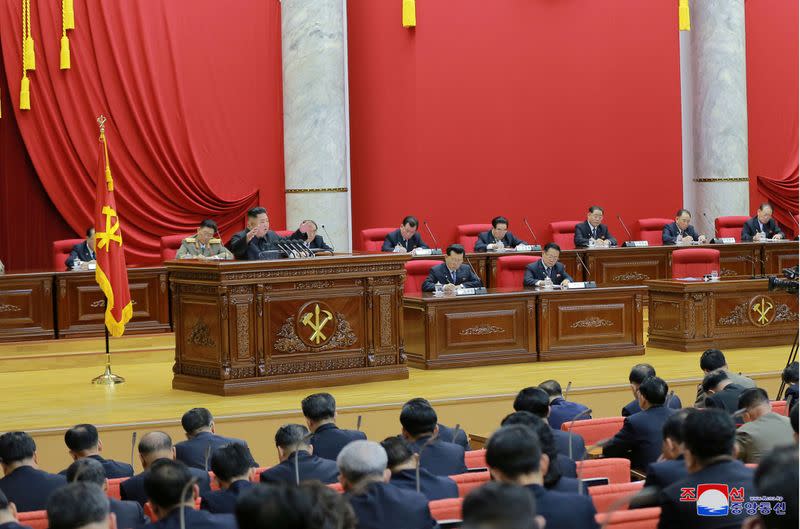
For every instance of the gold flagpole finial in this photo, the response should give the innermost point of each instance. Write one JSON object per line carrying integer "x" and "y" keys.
{"x": 101, "y": 121}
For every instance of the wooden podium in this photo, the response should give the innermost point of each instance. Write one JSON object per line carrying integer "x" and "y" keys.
{"x": 251, "y": 327}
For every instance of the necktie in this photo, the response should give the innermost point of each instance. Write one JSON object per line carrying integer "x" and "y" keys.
{"x": 594, "y": 233}
{"x": 453, "y": 275}
{"x": 547, "y": 272}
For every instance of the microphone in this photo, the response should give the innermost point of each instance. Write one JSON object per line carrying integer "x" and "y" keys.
{"x": 669, "y": 398}
{"x": 537, "y": 246}
{"x": 587, "y": 411}
{"x": 713, "y": 226}
{"x": 566, "y": 391}
{"x": 208, "y": 455}
{"x": 435, "y": 242}
{"x": 182, "y": 507}
{"x": 133, "y": 446}
{"x": 296, "y": 455}
{"x": 589, "y": 284}
{"x": 630, "y": 242}
{"x": 328, "y": 235}
{"x": 358, "y": 424}
{"x": 478, "y": 290}
{"x": 456, "y": 430}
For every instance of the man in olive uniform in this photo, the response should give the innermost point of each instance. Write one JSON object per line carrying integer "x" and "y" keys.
{"x": 204, "y": 245}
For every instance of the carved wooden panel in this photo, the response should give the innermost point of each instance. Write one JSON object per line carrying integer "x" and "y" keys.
{"x": 778, "y": 256}
{"x": 26, "y": 307}
{"x": 738, "y": 259}
{"x": 627, "y": 266}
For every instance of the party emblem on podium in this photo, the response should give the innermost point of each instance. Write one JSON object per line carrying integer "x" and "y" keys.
{"x": 316, "y": 323}
{"x": 761, "y": 311}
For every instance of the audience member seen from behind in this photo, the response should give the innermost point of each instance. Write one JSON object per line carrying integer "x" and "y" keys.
{"x": 297, "y": 460}
{"x": 403, "y": 463}
{"x": 500, "y": 506}
{"x": 713, "y": 360}
{"x": 328, "y": 440}
{"x": 83, "y": 441}
{"x": 23, "y": 482}
{"x": 562, "y": 410}
{"x": 80, "y": 506}
{"x": 789, "y": 377}
{"x": 536, "y": 401}
{"x": 420, "y": 428}
{"x": 202, "y": 439}
{"x": 232, "y": 472}
{"x": 777, "y": 477}
{"x": 638, "y": 373}
{"x": 763, "y": 429}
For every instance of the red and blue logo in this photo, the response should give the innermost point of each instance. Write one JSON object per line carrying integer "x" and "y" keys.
{"x": 713, "y": 499}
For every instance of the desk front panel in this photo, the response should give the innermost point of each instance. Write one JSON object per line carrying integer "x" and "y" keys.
{"x": 26, "y": 307}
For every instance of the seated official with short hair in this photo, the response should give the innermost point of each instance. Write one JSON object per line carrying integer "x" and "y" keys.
{"x": 762, "y": 226}
{"x": 453, "y": 273}
{"x": 593, "y": 232}
{"x": 83, "y": 253}
{"x": 547, "y": 266}
{"x": 405, "y": 239}
{"x": 681, "y": 231}
{"x": 204, "y": 245}
{"x": 307, "y": 232}
{"x": 241, "y": 239}
{"x": 497, "y": 238}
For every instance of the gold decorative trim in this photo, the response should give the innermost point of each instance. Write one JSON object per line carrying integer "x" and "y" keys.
{"x": 479, "y": 330}
{"x": 736, "y": 179}
{"x": 319, "y": 190}
{"x": 592, "y": 322}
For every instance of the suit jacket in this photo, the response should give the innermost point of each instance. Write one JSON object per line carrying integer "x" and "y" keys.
{"x": 677, "y": 514}
{"x": 640, "y": 438}
{"x": 566, "y": 466}
{"x": 262, "y": 244}
{"x": 536, "y": 272}
{"x": 562, "y": 411}
{"x": 451, "y": 435}
{"x": 317, "y": 243}
{"x": 791, "y": 394}
{"x": 727, "y": 399}
{"x": 310, "y": 467}
{"x": 384, "y": 506}
{"x": 79, "y": 251}
{"x": 394, "y": 238}
{"x": 441, "y": 274}
{"x": 328, "y": 440}
{"x": 132, "y": 489}
{"x": 440, "y": 458}
{"x": 193, "y": 451}
{"x": 567, "y": 484}
{"x": 564, "y": 510}
{"x": 671, "y": 231}
{"x": 113, "y": 469}
{"x": 29, "y": 488}
{"x": 13, "y": 525}
{"x": 195, "y": 520}
{"x": 433, "y": 487}
{"x": 238, "y": 244}
{"x": 562, "y": 440}
{"x": 130, "y": 515}
{"x": 664, "y": 473}
{"x": 224, "y": 501}
{"x": 739, "y": 380}
{"x": 759, "y": 437}
{"x": 633, "y": 406}
{"x": 486, "y": 238}
{"x": 583, "y": 232}
{"x": 751, "y": 227}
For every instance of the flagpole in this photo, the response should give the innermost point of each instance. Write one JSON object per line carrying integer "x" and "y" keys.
{"x": 108, "y": 378}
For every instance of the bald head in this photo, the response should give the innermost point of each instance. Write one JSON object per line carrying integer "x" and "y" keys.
{"x": 154, "y": 446}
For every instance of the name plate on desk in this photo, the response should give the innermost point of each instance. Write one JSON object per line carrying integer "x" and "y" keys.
{"x": 635, "y": 244}
{"x": 470, "y": 291}
{"x": 528, "y": 248}
{"x": 581, "y": 284}
{"x": 426, "y": 251}
{"x": 723, "y": 240}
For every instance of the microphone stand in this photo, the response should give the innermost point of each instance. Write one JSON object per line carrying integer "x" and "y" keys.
{"x": 536, "y": 246}
{"x": 133, "y": 446}
{"x": 587, "y": 411}
{"x": 630, "y": 241}
{"x": 566, "y": 391}
{"x": 589, "y": 284}
{"x": 433, "y": 237}
{"x": 419, "y": 457}
{"x": 478, "y": 290}
{"x": 328, "y": 235}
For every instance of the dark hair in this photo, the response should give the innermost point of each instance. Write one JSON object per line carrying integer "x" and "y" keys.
{"x": 753, "y": 397}
{"x": 712, "y": 359}
{"x": 499, "y": 506}
{"x": 154, "y": 442}
{"x": 552, "y": 387}
{"x": 195, "y": 419}
{"x": 411, "y": 221}
{"x": 81, "y": 437}
{"x": 281, "y": 505}
{"x": 654, "y": 390}
{"x": 16, "y": 446}
{"x": 709, "y": 433}
{"x": 682, "y": 211}
{"x": 639, "y": 372}
{"x": 397, "y": 451}
{"x": 592, "y": 209}
{"x": 76, "y": 505}
{"x": 545, "y": 434}
{"x": 330, "y": 510}
{"x": 3, "y": 501}
{"x": 551, "y": 246}
{"x": 455, "y": 248}
{"x": 499, "y": 220}
{"x": 256, "y": 211}
{"x": 790, "y": 373}
{"x": 208, "y": 223}
{"x": 514, "y": 450}
{"x": 319, "y": 407}
{"x": 89, "y": 231}
{"x": 765, "y": 205}
{"x": 230, "y": 461}
{"x": 793, "y": 416}
{"x": 164, "y": 482}
{"x": 88, "y": 470}
{"x": 713, "y": 379}
{"x": 534, "y": 400}
{"x": 418, "y": 417}
{"x": 777, "y": 475}
{"x": 673, "y": 426}
{"x": 291, "y": 436}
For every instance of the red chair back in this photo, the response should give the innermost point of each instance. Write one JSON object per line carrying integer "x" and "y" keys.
{"x": 445, "y": 510}
{"x": 372, "y": 238}
{"x": 511, "y": 270}
{"x": 650, "y": 230}
{"x": 468, "y": 234}
{"x": 606, "y": 496}
{"x": 631, "y": 519}
{"x": 779, "y": 407}
{"x": 33, "y": 519}
{"x": 564, "y": 233}
{"x": 214, "y": 485}
{"x": 170, "y": 245}
{"x": 730, "y": 226}
{"x": 61, "y": 250}
{"x": 286, "y": 233}
{"x": 257, "y": 474}
{"x": 113, "y": 488}
{"x": 337, "y": 487}
{"x": 475, "y": 458}
{"x": 594, "y": 430}
{"x": 694, "y": 262}
{"x": 617, "y": 470}
{"x": 416, "y": 272}
{"x": 469, "y": 481}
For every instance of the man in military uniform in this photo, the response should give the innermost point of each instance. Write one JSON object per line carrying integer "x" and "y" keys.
{"x": 204, "y": 245}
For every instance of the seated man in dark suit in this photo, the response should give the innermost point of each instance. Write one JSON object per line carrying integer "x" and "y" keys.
{"x": 722, "y": 392}
{"x": 640, "y": 437}
{"x": 453, "y": 273}
{"x": 451, "y": 434}
{"x": 83, "y": 441}
{"x": 170, "y": 491}
{"x": 152, "y": 447}
{"x": 419, "y": 421}
{"x": 311, "y": 505}
{"x": 500, "y": 506}
{"x": 377, "y": 503}
{"x": 403, "y": 462}
{"x": 198, "y": 423}
{"x": 498, "y": 238}
{"x": 547, "y": 267}
{"x": 23, "y": 483}
{"x": 762, "y": 226}
{"x": 405, "y": 239}
{"x": 232, "y": 471}
{"x": 638, "y": 373}
{"x": 328, "y": 440}
{"x": 536, "y": 401}
{"x": 263, "y": 239}
{"x": 129, "y": 514}
{"x": 681, "y": 231}
{"x": 82, "y": 253}
{"x": 777, "y": 477}
{"x": 307, "y": 232}
{"x": 593, "y": 233}
{"x": 79, "y": 506}
{"x": 714, "y": 360}
{"x": 561, "y": 410}
{"x": 708, "y": 436}
{"x": 514, "y": 455}
{"x": 241, "y": 239}
{"x": 297, "y": 460}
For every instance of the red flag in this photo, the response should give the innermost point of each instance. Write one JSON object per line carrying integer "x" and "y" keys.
{"x": 111, "y": 273}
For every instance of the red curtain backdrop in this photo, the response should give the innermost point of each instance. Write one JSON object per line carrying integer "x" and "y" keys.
{"x": 193, "y": 96}
{"x": 772, "y": 106}
{"x": 522, "y": 108}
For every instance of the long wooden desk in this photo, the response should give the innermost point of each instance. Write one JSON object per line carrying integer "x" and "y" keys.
{"x": 26, "y": 306}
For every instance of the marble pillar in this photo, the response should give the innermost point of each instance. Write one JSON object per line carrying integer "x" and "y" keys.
{"x": 716, "y": 55}
{"x": 315, "y": 125}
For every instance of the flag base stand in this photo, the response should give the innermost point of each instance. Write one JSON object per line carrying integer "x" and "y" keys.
{"x": 108, "y": 378}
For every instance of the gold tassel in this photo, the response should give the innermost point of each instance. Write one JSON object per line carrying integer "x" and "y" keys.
{"x": 30, "y": 54}
{"x": 684, "y": 22}
{"x": 409, "y": 13}
{"x": 25, "y": 93}
{"x": 69, "y": 15}
{"x": 65, "y": 52}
